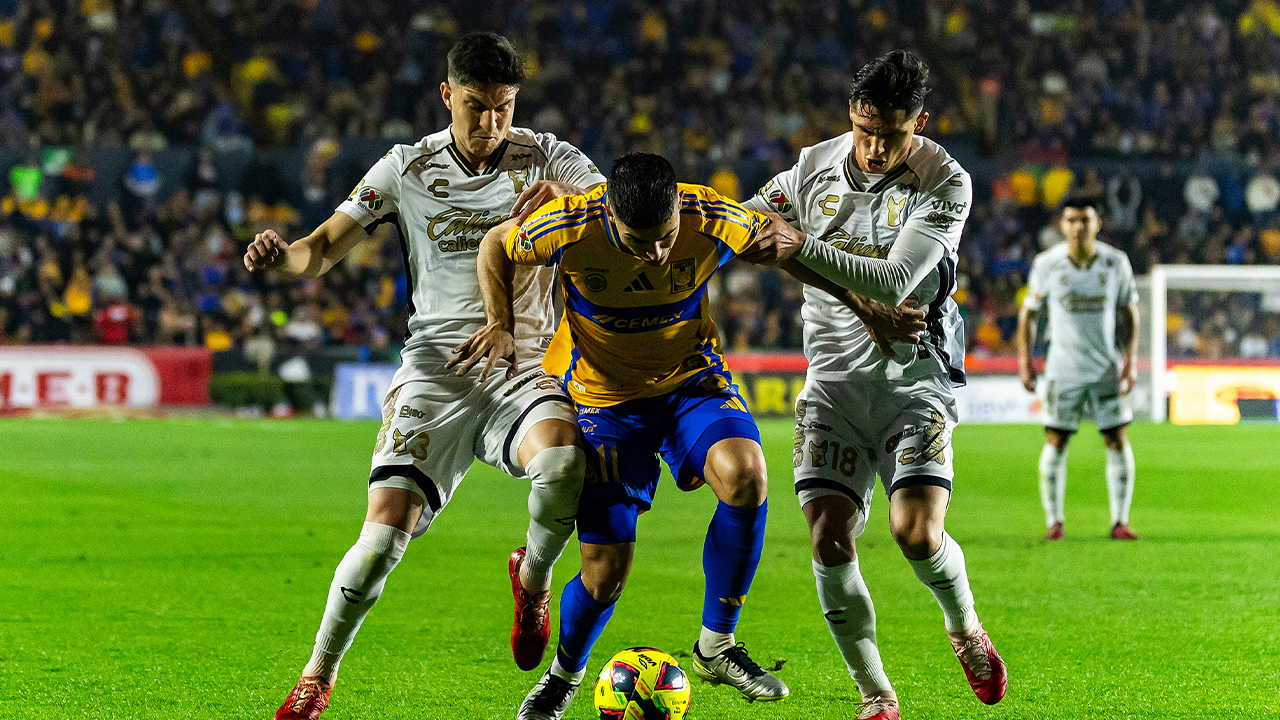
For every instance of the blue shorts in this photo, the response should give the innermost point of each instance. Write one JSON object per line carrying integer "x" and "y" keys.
{"x": 681, "y": 426}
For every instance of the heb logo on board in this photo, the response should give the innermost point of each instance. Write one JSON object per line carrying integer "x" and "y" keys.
{"x": 38, "y": 378}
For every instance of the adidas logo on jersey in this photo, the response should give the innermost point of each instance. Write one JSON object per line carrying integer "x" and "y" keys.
{"x": 640, "y": 284}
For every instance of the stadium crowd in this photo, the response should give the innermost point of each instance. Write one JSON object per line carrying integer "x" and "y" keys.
{"x": 729, "y": 91}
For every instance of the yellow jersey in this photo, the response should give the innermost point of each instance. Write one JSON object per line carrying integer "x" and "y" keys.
{"x": 631, "y": 329}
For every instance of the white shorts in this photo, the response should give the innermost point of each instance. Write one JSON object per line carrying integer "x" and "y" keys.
{"x": 848, "y": 432}
{"x": 1066, "y": 403}
{"x": 432, "y": 428}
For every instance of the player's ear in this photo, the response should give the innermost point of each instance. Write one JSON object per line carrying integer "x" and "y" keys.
{"x": 921, "y": 120}
{"x": 446, "y": 94}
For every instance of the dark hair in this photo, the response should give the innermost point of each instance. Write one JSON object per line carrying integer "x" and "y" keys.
{"x": 1081, "y": 201}
{"x": 642, "y": 190}
{"x": 898, "y": 80}
{"x": 485, "y": 58}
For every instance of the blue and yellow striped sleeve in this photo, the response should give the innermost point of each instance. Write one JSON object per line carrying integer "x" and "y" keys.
{"x": 545, "y": 234}
{"x": 733, "y": 225}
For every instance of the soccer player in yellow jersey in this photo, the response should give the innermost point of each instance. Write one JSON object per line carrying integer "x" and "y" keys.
{"x": 642, "y": 361}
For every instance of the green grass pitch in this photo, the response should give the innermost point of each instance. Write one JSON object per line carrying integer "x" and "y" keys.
{"x": 178, "y": 569}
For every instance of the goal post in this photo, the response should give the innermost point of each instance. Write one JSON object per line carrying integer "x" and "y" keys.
{"x": 1263, "y": 279}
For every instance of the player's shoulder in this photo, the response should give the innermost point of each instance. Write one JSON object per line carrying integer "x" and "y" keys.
{"x": 567, "y": 212}
{"x": 823, "y": 158}
{"x": 1051, "y": 256}
{"x": 937, "y": 171}
{"x": 403, "y": 156}
{"x": 543, "y": 145}
{"x": 710, "y": 205}
{"x": 1111, "y": 255}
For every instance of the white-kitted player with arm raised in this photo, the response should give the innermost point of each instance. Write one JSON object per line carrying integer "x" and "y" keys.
{"x": 1085, "y": 287}
{"x": 444, "y": 193}
{"x": 879, "y": 211}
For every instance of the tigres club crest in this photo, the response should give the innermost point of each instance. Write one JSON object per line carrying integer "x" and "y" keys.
{"x": 371, "y": 198}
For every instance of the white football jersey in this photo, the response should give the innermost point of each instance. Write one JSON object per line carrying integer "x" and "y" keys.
{"x": 1081, "y": 303}
{"x": 443, "y": 210}
{"x": 826, "y": 196}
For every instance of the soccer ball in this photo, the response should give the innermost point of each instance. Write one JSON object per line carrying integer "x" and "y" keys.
{"x": 642, "y": 684}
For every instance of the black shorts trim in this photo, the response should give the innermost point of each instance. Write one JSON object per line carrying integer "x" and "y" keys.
{"x": 515, "y": 426}
{"x": 824, "y": 484}
{"x": 911, "y": 480}
{"x": 1115, "y": 427}
{"x": 424, "y": 483}
{"x": 1064, "y": 431}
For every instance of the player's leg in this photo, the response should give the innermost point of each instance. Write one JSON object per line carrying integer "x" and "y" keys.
{"x": 622, "y": 475}
{"x": 835, "y": 521}
{"x": 1053, "y": 480}
{"x": 918, "y": 473}
{"x": 532, "y": 431}
{"x": 1120, "y": 472}
{"x": 835, "y": 483}
{"x": 1063, "y": 406}
{"x": 552, "y": 456}
{"x": 585, "y": 608}
{"x": 711, "y": 436}
{"x": 403, "y": 502}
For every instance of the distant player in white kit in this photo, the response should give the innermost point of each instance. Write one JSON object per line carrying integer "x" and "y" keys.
{"x": 1085, "y": 286}
{"x": 444, "y": 193}
{"x": 879, "y": 211}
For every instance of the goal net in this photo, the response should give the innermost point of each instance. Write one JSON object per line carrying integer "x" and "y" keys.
{"x": 1213, "y": 340}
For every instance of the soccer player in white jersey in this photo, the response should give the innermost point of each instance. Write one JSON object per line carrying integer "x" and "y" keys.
{"x": 444, "y": 193}
{"x": 1085, "y": 286}
{"x": 879, "y": 211}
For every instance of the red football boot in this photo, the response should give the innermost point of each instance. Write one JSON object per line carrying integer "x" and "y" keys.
{"x": 1054, "y": 532}
{"x": 532, "y": 626}
{"x": 982, "y": 665}
{"x": 878, "y": 707}
{"x": 309, "y": 698}
{"x": 1121, "y": 531}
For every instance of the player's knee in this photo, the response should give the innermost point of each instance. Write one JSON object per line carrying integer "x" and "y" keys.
{"x": 558, "y": 470}
{"x": 1114, "y": 439}
{"x": 832, "y": 546}
{"x": 916, "y": 535}
{"x": 604, "y": 576}
{"x": 745, "y": 481}
{"x": 1057, "y": 439}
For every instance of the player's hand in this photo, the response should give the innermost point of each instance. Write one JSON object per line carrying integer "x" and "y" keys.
{"x": 1128, "y": 375}
{"x": 490, "y": 343}
{"x": 776, "y": 242}
{"x": 887, "y": 325}
{"x": 1027, "y": 373}
{"x": 538, "y": 194}
{"x": 268, "y": 251}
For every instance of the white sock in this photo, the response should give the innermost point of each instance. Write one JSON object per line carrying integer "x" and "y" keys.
{"x": 574, "y": 677}
{"x": 357, "y": 584}
{"x": 712, "y": 643}
{"x": 851, "y": 618}
{"x": 945, "y": 576}
{"x": 555, "y": 479}
{"x": 1120, "y": 482}
{"x": 1053, "y": 482}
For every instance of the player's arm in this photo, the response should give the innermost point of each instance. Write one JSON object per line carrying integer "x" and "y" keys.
{"x": 509, "y": 244}
{"x": 889, "y": 280}
{"x": 570, "y": 172}
{"x": 1025, "y": 338}
{"x": 1128, "y": 331}
{"x": 496, "y": 340}
{"x": 309, "y": 256}
{"x": 886, "y": 325}
{"x": 925, "y": 237}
